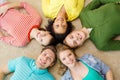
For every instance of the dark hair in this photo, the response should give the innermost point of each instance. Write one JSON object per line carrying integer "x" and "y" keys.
{"x": 58, "y": 37}
{"x": 51, "y": 41}
{"x": 53, "y": 49}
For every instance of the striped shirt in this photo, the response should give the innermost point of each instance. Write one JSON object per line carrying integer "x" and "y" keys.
{"x": 19, "y": 25}
{"x": 25, "y": 69}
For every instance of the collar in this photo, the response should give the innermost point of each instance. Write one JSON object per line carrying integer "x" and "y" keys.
{"x": 37, "y": 70}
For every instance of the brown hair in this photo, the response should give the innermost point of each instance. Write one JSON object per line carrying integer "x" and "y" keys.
{"x": 53, "y": 49}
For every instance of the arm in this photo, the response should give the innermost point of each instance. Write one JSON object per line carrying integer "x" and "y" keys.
{"x": 6, "y": 6}
{"x": 3, "y": 71}
{"x": 45, "y": 6}
{"x": 11, "y": 41}
{"x": 30, "y": 9}
{"x": 97, "y": 3}
{"x": 109, "y": 75}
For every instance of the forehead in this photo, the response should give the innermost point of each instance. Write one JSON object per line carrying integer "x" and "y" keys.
{"x": 49, "y": 52}
{"x": 64, "y": 53}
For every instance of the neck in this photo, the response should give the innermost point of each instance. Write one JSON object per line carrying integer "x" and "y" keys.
{"x": 76, "y": 67}
{"x": 87, "y": 32}
{"x": 62, "y": 13}
{"x": 33, "y": 33}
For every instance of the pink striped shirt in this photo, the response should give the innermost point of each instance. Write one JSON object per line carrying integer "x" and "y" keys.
{"x": 19, "y": 25}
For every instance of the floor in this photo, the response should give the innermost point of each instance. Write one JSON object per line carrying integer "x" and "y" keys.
{"x": 7, "y": 52}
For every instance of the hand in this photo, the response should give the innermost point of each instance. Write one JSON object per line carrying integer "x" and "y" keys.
{"x": 3, "y": 9}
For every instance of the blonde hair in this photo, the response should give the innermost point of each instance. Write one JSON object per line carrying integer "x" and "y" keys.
{"x": 61, "y": 67}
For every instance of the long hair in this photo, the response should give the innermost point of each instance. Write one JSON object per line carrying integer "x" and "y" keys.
{"x": 62, "y": 68}
{"x": 58, "y": 37}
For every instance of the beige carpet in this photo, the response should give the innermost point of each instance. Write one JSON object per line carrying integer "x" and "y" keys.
{"x": 33, "y": 49}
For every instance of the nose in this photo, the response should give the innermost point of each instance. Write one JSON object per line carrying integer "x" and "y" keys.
{"x": 68, "y": 59}
{"x": 44, "y": 58}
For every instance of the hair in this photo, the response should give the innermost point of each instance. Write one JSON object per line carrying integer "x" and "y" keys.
{"x": 58, "y": 37}
{"x": 51, "y": 41}
{"x": 62, "y": 68}
{"x": 53, "y": 49}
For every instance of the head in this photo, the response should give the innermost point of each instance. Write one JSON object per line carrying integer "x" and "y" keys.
{"x": 47, "y": 57}
{"x": 66, "y": 56}
{"x": 44, "y": 37}
{"x": 76, "y": 38}
{"x": 59, "y": 28}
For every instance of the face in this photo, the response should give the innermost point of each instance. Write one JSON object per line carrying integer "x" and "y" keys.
{"x": 45, "y": 59}
{"x": 75, "y": 39}
{"x": 67, "y": 57}
{"x": 44, "y": 37}
{"x": 60, "y": 25}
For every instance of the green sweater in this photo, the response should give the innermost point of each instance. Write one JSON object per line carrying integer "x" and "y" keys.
{"x": 104, "y": 17}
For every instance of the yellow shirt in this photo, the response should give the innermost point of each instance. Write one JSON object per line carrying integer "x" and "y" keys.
{"x": 52, "y": 7}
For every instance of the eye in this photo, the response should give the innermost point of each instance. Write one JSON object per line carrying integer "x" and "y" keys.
{"x": 56, "y": 26}
{"x": 63, "y": 59}
{"x": 71, "y": 37}
{"x": 41, "y": 40}
{"x": 69, "y": 54}
{"x": 64, "y": 26}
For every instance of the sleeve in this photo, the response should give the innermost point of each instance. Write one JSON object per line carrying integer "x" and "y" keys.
{"x": 97, "y": 3}
{"x": 11, "y": 41}
{"x": 30, "y": 9}
{"x": 111, "y": 45}
{"x": 13, "y": 63}
{"x": 99, "y": 65}
{"x": 45, "y": 6}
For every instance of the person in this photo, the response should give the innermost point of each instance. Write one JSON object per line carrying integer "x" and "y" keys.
{"x": 87, "y": 67}
{"x": 25, "y": 68}
{"x": 61, "y": 12}
{"x": 21, "y": 27}
{"x": 77, "y": 37}
{"x": 97, "y": 15}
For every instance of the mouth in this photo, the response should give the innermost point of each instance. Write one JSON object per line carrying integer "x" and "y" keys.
{"x": 42, "y": 62}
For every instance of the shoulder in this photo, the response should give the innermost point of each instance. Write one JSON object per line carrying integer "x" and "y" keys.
{"x": 67, "y": 75}
{"x": 49, "y": 76}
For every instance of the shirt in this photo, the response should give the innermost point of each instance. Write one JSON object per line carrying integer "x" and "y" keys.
{"x": 19, "y": 25}
{"x": 52, "y": 7}
{"x": 104, "y": 17}
{"x": 93, "y": 63}
{"x": 25, "y": 69}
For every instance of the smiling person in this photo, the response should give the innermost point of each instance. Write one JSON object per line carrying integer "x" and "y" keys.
{"x": 105, "y": 28}
{"x": 77, "y": 38}
{"x": 21, "y": 27}
{"x": 25, "y": 68}
{"x": 61, "y": 12}
{"x": 87, "y": 67}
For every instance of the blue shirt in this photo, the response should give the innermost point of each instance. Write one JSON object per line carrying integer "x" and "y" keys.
{"x": 25, "y": 69}
{"x": 93, "y": 63}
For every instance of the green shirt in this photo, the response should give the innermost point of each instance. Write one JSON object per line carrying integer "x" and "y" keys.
{"x": 104, "y": 17}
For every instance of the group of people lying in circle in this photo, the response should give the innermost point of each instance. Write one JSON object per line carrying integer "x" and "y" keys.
{"x": 100, "y": 21}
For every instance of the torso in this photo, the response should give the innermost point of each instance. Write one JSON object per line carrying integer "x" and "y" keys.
{"x": 80, "y": 73}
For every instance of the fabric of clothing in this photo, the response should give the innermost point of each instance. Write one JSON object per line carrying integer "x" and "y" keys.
{"x": 93, "y": 63}
{"x": 104, "y": 17}
{"x": 52, "y": 7}
{"x": 19, "y": 25}
{"x": 92, "y": 74}
{"x": 25, "y": 69}
{"x": 2, "y": 1}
